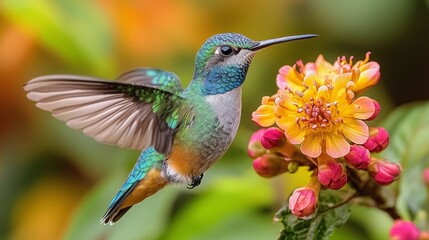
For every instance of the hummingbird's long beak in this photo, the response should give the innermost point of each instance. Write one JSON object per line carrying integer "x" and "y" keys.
{"x": 269, "y": 42}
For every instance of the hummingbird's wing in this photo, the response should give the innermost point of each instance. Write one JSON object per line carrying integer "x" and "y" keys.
{"x": 141, "y": 110}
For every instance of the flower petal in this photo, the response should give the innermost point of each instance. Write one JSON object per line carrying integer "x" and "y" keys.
{"x": 265, "y": 116}
{"x": 286, "y": 101}
{"x": 355, "y": 130}
{"x": 365, "y": 107}
{"x": 313, "y": 79}
{"x": 336, "y": 145}
{"x": 369, "y": 74}
{"x": 293, "y": 132}
{"x": 322, "y": 66}
{"x": 339, "y": 86}
{"x": 280, "y": 80}
{"x": 323, "y": 92}
{"x": 312, "y": 145}
{"x": 289, "y": 77}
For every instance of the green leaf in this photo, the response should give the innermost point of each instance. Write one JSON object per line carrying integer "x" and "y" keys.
{"x": 320, "y": 226}
{"x": 408, "y": 127}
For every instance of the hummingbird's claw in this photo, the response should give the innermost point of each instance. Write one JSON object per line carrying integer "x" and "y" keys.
{"x": 195, "y": 181}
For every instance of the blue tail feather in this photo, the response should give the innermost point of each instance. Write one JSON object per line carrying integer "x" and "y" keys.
{"x": 147, "y": 160}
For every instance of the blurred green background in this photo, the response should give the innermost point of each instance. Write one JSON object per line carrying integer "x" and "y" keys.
{"x": 55, "y": 183}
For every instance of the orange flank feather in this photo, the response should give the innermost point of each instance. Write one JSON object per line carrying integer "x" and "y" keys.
{"x": 150, "y": 184}
{"x": 184, "y": 162}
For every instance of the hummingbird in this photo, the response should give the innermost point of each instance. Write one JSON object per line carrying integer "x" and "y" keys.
{"x": 180, "y": 132}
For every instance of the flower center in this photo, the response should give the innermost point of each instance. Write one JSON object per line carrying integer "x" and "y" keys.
{"x": 317, "y": 115}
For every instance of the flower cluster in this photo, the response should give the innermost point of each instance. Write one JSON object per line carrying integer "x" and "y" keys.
{"x": 320, "y": 123}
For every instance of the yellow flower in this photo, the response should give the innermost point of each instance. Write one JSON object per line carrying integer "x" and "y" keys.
{"x": 316, "y": 105}
{"x": 365, "y": 74}
{"x": 264, "y": 116}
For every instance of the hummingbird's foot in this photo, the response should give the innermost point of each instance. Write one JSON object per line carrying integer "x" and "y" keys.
{"x": 195, "y": 181}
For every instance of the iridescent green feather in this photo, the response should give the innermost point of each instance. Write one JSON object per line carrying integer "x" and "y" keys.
{"x": 159, "y": 88}
{"x": 154, "y": 78}
{"x": 166, "y": 105}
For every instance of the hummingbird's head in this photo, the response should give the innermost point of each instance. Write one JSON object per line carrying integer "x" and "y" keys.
{"x": 223, "y": 50}
{"x": 223, "y": 60}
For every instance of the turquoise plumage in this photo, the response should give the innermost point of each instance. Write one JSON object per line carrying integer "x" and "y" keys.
{"x": 147, "y": 160}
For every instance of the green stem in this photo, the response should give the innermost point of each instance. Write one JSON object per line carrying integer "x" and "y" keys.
{"x": 348, "y": 199}
{"x": 366, "y": 187}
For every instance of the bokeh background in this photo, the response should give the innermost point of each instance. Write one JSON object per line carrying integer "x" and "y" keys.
{"x": 55, "y": 183}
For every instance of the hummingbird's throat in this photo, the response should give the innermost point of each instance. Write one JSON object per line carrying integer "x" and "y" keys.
{"x": 222, "y": 79}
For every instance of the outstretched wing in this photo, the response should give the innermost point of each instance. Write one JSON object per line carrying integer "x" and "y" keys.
{"x": 140, "y": 110}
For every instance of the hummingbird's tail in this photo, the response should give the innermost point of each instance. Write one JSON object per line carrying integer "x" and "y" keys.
{"x": 144, "y": 180}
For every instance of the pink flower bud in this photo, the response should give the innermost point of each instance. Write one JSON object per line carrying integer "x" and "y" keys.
{"x": 303, "y": 201}
{"x": 270, "y": 165}
{"x": 358, "y": 157}
{"x": 332, "y": 175}
{"x": 272, "y": 138}
{"x": 404, "y": 230}
{"x": 426, "y": 176}
{"x": 377, "y": 109}
{"x": 383, "y": 172}
{"x": 378, "y": 140}
{"x": 255, "y": 149}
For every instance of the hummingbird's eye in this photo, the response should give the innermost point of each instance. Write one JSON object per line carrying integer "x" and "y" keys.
{"x": 226, "y": 50}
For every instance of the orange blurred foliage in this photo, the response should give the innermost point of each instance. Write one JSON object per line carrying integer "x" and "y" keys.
{"x": 43, "y": 212}
{"x": 153, "y": 27}
{"x": 16, "y": 53}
